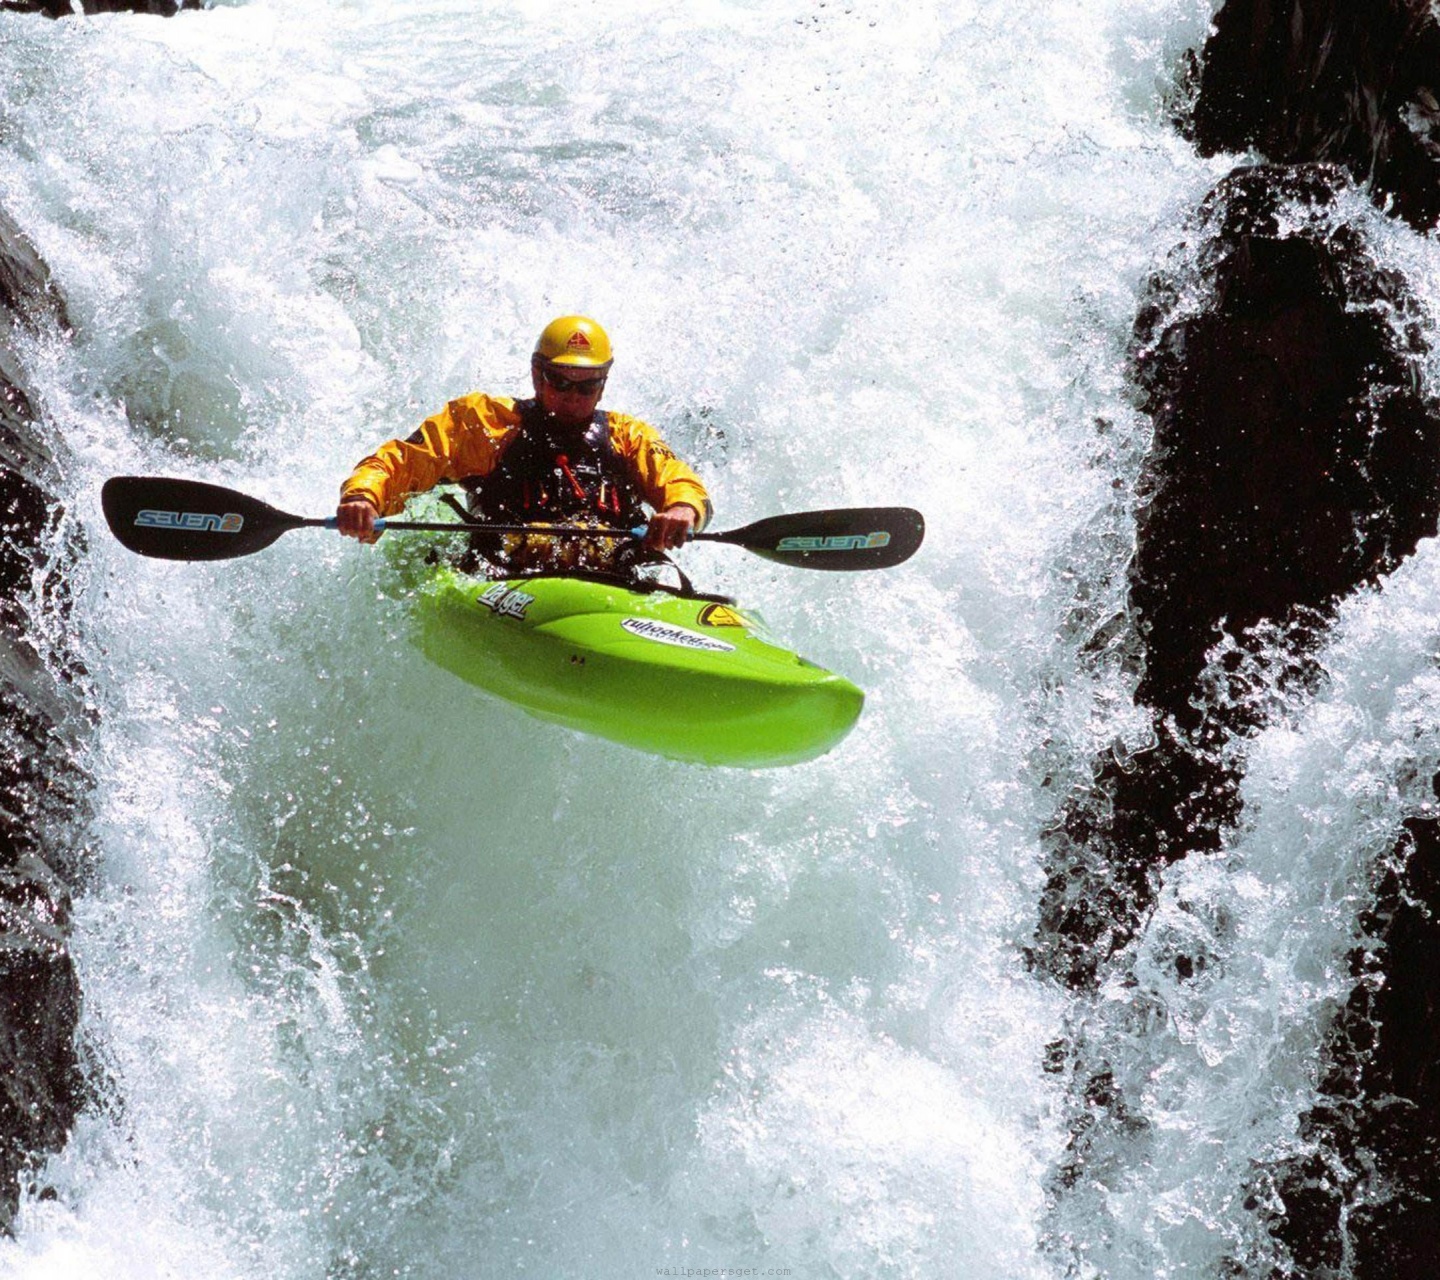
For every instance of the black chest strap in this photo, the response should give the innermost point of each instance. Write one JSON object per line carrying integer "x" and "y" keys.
{"x": 549, "y": 474}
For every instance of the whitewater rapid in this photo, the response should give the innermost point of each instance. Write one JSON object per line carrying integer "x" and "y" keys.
{"x": 383, "y": 978}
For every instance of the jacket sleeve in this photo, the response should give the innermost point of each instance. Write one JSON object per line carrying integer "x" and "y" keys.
{"x": 464, "y": 439}
{"x": 663, "y": 479}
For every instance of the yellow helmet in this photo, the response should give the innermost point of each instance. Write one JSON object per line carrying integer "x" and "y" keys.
{"x": 576, "y": 341}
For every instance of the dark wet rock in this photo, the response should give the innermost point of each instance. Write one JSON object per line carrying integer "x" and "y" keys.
{"x": 41, "y": 1088}
{"x": 1349, "y": 82}
{"x": 1368, "y": 1186}
{"x": 41, "y": 791}
{"x": 67, "y": 9}
{"x": 1136, "y": 815}
{"x": 1295, "y": 453}
{"x": 1353, "y": 84}
{"x": 1295, "y": 457}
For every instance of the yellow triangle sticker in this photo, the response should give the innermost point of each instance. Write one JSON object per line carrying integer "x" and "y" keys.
{"x": 720, "y": 615}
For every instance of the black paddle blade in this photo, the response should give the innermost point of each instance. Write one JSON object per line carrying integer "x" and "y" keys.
{"x": 846, "y": 539}
{"x": 189, "y": 520}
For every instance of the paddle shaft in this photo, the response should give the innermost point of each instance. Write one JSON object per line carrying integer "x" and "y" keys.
{"x": 550, "y": 531}
{"x": 455, "y": 526}
{"x": 734, "y": 537}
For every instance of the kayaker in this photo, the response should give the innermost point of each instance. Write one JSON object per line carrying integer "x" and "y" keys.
{"x": 553, "y": 459}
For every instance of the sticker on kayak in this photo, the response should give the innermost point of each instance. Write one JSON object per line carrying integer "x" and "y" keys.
{"x": 720, "y": 615}
{"x": 664, "y": 633}
{"x": 506, "y": 601}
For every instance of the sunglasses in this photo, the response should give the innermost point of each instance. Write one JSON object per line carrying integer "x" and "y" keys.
{"x": 584, "y": 386}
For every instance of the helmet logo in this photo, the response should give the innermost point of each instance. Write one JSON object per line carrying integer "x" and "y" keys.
{"x": 578, "y": 341}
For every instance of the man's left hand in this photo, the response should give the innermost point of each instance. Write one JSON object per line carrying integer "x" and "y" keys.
{"x": 672, "y": 527}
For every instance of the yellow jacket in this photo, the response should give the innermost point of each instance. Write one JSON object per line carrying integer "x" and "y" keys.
{"x": 469, "y": 436}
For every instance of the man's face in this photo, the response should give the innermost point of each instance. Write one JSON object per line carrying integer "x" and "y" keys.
{"x": 569, "y": 395}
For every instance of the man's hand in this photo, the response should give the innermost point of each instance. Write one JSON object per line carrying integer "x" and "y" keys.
{"x": 671, "y": 527}
{"x": 356, "y": 519}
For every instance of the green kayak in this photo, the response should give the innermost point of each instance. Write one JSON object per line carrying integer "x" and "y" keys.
{"x": 680, "y": 676}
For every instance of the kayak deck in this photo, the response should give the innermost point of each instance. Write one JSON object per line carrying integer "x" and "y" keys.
{"x": 678, "y": 676}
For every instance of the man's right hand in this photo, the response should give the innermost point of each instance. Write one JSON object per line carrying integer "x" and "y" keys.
{"x": 355, "y": 518}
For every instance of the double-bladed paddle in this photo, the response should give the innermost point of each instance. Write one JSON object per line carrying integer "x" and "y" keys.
{"x": 190, "y": 520}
